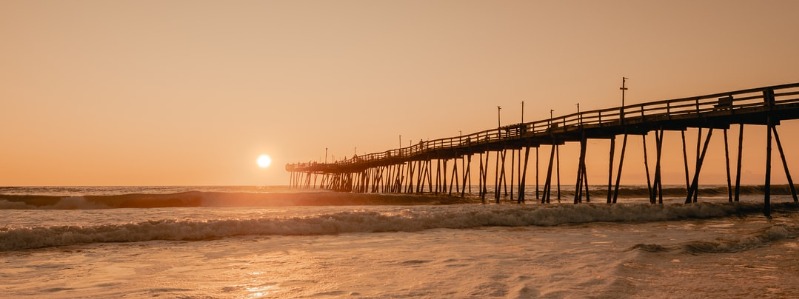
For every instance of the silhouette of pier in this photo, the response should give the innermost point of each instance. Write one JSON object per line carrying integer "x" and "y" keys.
{"x": 441, "y": 165}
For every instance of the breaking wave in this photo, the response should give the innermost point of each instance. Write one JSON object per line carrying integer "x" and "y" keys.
{"x": 77, "y": 198}
{"x": 365, "y": 221}
{"x": 215, "y": 199}
{"x": 757, "y": 239}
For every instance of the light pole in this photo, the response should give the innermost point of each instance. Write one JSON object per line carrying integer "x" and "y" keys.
{"x": 325, "y": 155}
{"x": 499, "y": 123}
{"x": 522, "y": 111}
{"x": 579, "y": 116}
{"x": 623, "y": 89}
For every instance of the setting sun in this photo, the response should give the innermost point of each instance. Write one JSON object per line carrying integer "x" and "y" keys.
{"x": 264, "y": 161}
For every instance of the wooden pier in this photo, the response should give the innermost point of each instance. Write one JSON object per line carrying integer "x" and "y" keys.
{"x": 442, "y": 166}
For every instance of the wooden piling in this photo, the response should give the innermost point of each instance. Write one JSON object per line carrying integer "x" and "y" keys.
{"x": 740, "y": 155}
{"x": 767, "y": 191}
{"x": 727, "y": 159}
{"x": 658, "y": 177}
{"x": 536, "y": 173}
{"x": 467, "y": 175}
{"x": 512, "y": 167}
{"x": 785, "y": 164}
{"x": 524, "y": 174}
{"x": 585, "y": 181}
{"x": 548, "y": 182}
{"x": 610, "y": 168}
{"x": 692, "y": 191}
{"x": 621, "y": 164}
{"x": 580, "y": 171}
{"x": 685, "y": 162}
{"x": 497, "y": 178}
{"x": 557, "y": 155}
{"x": 646, "y": 168}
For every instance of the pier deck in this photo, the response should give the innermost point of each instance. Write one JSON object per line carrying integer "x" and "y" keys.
{"x": 396, "y": 170}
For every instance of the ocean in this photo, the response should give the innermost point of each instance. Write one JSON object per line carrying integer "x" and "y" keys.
{"x": 274, "y": 242}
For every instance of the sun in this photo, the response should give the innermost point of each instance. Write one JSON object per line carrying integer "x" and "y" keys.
{"x": 264, "y": 161}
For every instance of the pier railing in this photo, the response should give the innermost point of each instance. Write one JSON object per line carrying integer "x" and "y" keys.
{"x": 740, "y": 102}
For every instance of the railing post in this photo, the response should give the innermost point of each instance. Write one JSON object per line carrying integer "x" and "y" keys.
{"x": 697, "y": 105}
{"x": 668, "y": 109}
{"x": 768, "y": 98}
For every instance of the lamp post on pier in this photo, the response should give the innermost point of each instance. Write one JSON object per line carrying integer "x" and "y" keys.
{"x": 623, "y": 89}
{"x": 499, "y": 122}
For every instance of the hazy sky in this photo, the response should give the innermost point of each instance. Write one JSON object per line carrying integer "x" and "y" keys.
{"x": 191, "y": 92}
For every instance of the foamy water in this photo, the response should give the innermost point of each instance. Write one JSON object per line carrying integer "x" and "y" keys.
{"x": 631, "y": 249}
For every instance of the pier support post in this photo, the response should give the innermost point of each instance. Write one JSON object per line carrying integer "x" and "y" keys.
{"x": 524, "y": 174}
{"x": 454, "y": 178}
{"x": 512, "y": 168}
{"x": 646, "y": 168}
{"x": 444, "y": 173}
{"x": 430, "y": 176}
{"x": 692, "y": 191}
{"x": 610, "y": 168}
{"x": 502, "y": 180}
{"x": 727, "y": 159}
{"x": 548, "y": 182}
{"x": 480, "y": 178}
{"x": 578, "y": 198}
{"x": 698, "y": 143}
{"x": 685, "y": 162}
{"x": 496, "y": 178}
{"x": 467, "y": 175}
{"x": 585, "y": 181}
{"x": 484, "y": 176}
{"x": 621, "y": 164}
{"x": 557, "y": 155}
{"x": 767, "y": 191}
{"x": 740, "y": 155}
{"x": 536, "y": 173}
{"x": 411, "y": 170}
{"x": 785, "y": 164}
{"x": 658, "y": 178}
{"x": 519, "y": 173}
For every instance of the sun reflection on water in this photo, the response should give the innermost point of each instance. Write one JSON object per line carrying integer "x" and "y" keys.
{"x": 261, "y": 291}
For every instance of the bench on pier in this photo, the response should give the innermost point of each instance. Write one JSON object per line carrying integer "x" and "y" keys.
{"x": 724, "y": 103}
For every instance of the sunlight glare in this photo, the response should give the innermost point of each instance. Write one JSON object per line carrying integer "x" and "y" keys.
{"x": 264, "y": 161}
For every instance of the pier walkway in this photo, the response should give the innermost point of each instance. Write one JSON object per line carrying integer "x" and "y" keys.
{"x": 424, "y": 167}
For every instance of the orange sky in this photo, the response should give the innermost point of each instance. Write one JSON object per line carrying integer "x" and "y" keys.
{"x": 190, "y": 92}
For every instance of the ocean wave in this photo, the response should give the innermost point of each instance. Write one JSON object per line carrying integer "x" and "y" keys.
{"x": 217, "y": 199}
{"x": 757, "y": 239}
{"x": 17, "y": 198}
{"x": 362, "y": 221}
